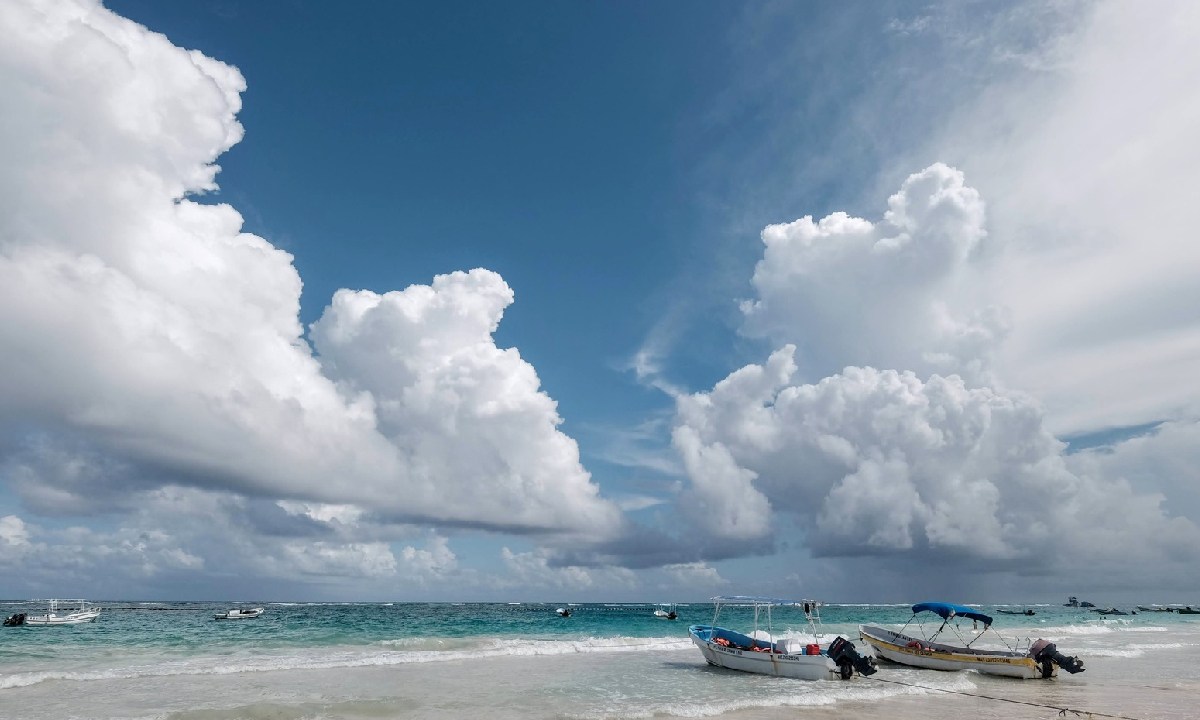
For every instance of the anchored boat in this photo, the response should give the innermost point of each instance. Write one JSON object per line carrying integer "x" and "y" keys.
{"x": 666, "y": 611}
{"x": 1040, "y": 660}
{"x": 237, "y": 614}
{"x": 759, "y": 652}
{"x": 59, "y": 612}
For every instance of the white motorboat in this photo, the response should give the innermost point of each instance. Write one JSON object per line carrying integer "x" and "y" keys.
{"x": 239, "y": 614}
{"x": 759, "y": 652}
{"x": 59, "y": 612}
{"x": 563, "y": 612}
{"x": 1040, "y": 660}
{"x": 666, "y": 611}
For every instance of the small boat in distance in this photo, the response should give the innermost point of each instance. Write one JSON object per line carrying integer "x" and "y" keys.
{"x": 563, "y": 612}
{"x": 1026, "y": 611}
{"x": 759, "y": 652}
{"x": 59, "y": 612}
{"x": 239, "y": 614}
{"x": 1041, "y": 660}
{"x": 1074, "y": 602}
{"x": 666, "y": 611}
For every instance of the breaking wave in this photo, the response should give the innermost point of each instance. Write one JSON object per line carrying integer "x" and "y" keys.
{"x": 416, "y": 650}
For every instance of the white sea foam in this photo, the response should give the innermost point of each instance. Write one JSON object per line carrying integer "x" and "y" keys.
{"x": 327, "y": 658}
{"x": 1071, "y": 630}
{"x": 1115, "y": 652}
{"x": 806, "y": 695}
{"x": 558, "y": 646}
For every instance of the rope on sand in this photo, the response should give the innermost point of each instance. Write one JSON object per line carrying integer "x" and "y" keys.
{"x": 1061, "y": 711}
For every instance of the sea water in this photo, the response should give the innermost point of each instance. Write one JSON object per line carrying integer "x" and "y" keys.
{"x": 499, "y": 660}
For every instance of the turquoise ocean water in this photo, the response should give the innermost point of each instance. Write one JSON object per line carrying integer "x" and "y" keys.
{"x": 401, "y": 660}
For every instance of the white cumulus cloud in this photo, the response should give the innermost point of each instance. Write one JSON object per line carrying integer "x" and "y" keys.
{"x": 894, "y": 437}
{"x": 893, "y": 293}
{"x": 13, "y": 532}
{"x": 435, "y": 560}
{"x": 879, "y": 463}
{"x": 457, "y": 408}
{"x": 536, "y": 572}
{"x": 146, "y": 341}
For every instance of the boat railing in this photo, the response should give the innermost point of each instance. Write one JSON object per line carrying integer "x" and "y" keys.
{"x": 763, "y": 611}
{"x": 56, "y": 605}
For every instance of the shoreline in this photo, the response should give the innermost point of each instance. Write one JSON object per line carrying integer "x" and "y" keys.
{"x": 368, "y": 662}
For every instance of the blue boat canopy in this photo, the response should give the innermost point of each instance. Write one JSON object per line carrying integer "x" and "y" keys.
{"x": 947, "y": 611}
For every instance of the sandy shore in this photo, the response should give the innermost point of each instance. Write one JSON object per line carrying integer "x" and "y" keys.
{"x": 1005, "y": 699}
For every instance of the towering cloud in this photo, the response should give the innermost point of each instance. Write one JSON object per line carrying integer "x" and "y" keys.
{"x": 467, "y": 417}
{"x": 896, "y": 293}
{"x": 147, "y": 342}
{"x": 908, "y": 462}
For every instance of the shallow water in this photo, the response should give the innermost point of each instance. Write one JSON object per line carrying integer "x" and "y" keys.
{"x": 401, "y": 660}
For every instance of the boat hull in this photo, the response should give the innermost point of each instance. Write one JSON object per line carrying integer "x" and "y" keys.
{"x": 906, "y": 650}
{"x": 239, "y": 614}
{"x": 779, "y": 664}
{"x": 69, "y": 619}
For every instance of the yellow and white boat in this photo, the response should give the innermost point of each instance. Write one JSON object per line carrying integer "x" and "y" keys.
{"x": 1040, "y": 660}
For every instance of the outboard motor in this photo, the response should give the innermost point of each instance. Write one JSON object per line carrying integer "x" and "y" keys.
{"x": 842, "y": 652}
{"x": 1046, "y": 655}
{"x": 14, "y": 620}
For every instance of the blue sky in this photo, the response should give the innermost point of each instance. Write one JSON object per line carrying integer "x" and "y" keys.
{"x": 617, "y": 301}
{"x": 560, "y": 145}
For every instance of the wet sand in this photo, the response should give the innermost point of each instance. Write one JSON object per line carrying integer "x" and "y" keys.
{"x": 1100, "y": 692}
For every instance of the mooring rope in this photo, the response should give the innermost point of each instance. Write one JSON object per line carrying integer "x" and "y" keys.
{"x": 1061, "y": 710}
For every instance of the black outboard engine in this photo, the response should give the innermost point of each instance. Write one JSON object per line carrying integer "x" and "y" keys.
{"x": 842, "y": 652}
{"x": 1046, "y": 655}
{"x": 14, "y": 620}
